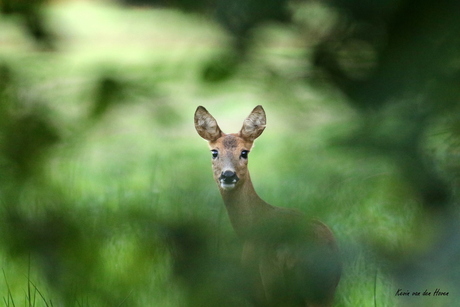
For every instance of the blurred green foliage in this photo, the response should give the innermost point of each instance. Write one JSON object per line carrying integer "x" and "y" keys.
{"x": 106, "y": 193}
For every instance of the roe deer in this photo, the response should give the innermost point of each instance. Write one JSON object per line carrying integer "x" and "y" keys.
{"x": 294, "y": 261}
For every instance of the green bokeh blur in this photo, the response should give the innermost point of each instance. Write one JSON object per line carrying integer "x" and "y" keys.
{"x": 106, "y": 190}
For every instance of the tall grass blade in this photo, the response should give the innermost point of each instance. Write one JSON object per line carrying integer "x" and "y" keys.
{"x": 9, "y": 295}
{"x": 375, "y": 287}
{"x": 41, "y": 295}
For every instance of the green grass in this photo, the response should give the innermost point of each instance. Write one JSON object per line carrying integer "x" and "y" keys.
{"x": 124, "y": 179}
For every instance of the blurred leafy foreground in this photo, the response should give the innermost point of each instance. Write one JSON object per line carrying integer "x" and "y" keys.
{"x": 106, "y": 193}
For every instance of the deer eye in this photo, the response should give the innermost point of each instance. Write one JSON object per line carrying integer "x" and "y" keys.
{"x": 214, "y": 153}
{"x": 244, "y": 154}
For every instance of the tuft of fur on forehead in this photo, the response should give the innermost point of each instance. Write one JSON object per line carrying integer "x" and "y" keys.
{"x": 231, "y": 142}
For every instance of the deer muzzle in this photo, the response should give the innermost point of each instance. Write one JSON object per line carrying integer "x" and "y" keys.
{"x": 228, "y": 179}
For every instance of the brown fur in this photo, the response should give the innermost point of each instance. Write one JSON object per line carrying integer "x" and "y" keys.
{"x": 294, "y": 261}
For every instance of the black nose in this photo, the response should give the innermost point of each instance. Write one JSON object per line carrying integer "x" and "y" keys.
{"x": 229, "y": 177}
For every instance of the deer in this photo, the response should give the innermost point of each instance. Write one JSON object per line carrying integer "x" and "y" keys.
{"x": 292, "y": 260}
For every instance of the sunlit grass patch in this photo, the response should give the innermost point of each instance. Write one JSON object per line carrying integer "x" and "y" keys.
{"x": 20, "y": 279}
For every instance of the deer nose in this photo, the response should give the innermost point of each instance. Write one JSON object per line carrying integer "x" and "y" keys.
{"x": 229, "y": 177}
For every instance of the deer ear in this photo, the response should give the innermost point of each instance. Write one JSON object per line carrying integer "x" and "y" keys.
{"x": 206, "y": 125}
{"x": 254, "y": 124}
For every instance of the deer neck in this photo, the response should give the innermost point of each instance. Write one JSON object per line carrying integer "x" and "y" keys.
{"x": 244, "y": 207}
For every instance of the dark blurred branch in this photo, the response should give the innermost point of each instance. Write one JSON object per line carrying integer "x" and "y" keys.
{"x": 109, "y": 92}
{"x": 418, "y": 44}
{"x": 414, "y": 82}
{"x": 33, "y": 19}
{"x": 209, "y": 278}
{"x": 407, "y": 87}
{"x": 26, "y": 132}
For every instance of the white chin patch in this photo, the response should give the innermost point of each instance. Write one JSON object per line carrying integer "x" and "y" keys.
{"x": 227, "y": 186}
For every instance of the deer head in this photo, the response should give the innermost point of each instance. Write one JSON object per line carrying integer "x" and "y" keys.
{"x": 230, "y": 151}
